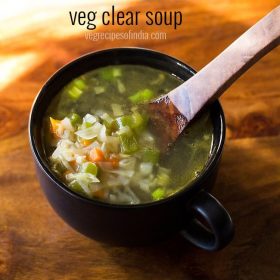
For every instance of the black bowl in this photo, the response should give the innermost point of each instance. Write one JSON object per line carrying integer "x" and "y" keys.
{"x": 193, "y": 211}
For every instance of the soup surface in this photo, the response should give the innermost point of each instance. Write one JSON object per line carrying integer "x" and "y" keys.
{"x": 98, "y": 140}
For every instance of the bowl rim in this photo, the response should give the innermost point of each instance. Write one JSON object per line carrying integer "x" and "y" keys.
{"x": 211, "y": 164}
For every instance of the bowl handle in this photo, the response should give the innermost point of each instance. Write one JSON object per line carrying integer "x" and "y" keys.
{"x": 210, "y": 227}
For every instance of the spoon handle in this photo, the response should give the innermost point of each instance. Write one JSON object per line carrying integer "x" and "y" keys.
{"x": 212, "y": 80}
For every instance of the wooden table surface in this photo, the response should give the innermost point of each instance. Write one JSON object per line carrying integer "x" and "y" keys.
{"x": 36, "y": 244}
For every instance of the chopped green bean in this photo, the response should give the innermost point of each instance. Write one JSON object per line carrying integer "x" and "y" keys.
{"x": 121, "y": 86}
{"x": 75, "y": 88}
{"x": 79, "y": 83}
{"x": 158, "y": 193}
{"x": 151, "y": 155}
{"x": 142, "y": 96}
{"x": 75, "y": 119}
{"x": 107, "y": 120}
{"x": 90, "y": 168}
{"x": 128, "y": 143}
{"x": 75, "y": 93}
{"x": 135, "y": 121}
{"x": 109, "y": 74}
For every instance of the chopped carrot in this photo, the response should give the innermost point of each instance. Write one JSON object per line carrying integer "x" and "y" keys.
{"x": 96, "y": 154}
{"x": 67, "y": 172}
{"x": 114, "y": 160}
{"x": 54, "y": 125}
{"x": 73, "y": 164}
{"x": 115, "y": 163}
{"x": 101, "y": 193}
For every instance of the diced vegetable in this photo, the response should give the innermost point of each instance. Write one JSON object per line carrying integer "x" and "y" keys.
{"x": 86, "y": 142}
{"x": 84, "y": 180}
{"x": 65, "y": 129}
{"x": 96, "y": 155}
{"x": 58, "y": 166}
{"x": 79, "y": 83}
{"x": 114, "y": 161}
{"x": 99, "y": 89}
{"x": 90, "y": 168}
{"x": 107, "y": 120}
{"x": 73, "y": 164}
{"x": 117, "y": 110}
{"x": 162, "y": 178}
{"x": 124, "y": 173}
{"x": 147, "y": 139}
{"x": 80, "y": 159}
{"x": 150, "y": 155}
{"x": 109, "y": 74}
{"x": 158, "y": 193}
{"x": 145, "y": 185}
{"x": 128, "y": 163}
{"x": 125, "y": 130}
{"x": 90, "y": 132}
{"x": 102, "y": 134}
{"x": 135, "y": 120}
{"x": 112, "y": 144}
{"x": 138, "y": 120}
{"x": 90, "y": 119}
{"x": 75, "y": 93}
{"x": 117, "y": 72}
{"x": 65, "y": 150}
{"x": 128, "y": 143}
{"x": 132, "y": 195}
{"x": 121, "y": 86}
{"x": 54, "y": 125}
{"x": 123, "y": 121}
{"x": 86, "y": 125}
{"x": 76, "y": 187}
{"x": 101, "y": 193}
{"x": 142, "y": 96}
{"x": 75, "y": 88}
{"x": 75, "y": 119}
{"x": 146, "y": 168}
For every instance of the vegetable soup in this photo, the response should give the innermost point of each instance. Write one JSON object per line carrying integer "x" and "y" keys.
{"x": 98, "y": 140}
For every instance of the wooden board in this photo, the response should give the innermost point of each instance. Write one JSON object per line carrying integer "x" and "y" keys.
{"x": 36, "y": 244}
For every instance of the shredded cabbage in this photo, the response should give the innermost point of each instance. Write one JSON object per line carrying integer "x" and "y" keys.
{"x": 146, "y": 168}
{"x": 84, "y": 180}
{"x": 90, "y": 132}
{"x": 93, "y": 161}
{"x": 88, "y": 118}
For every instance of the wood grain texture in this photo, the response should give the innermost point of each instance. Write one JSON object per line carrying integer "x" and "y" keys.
{"x": 36, "y": 244}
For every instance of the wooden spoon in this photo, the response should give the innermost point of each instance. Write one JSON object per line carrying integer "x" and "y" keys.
{"x": 172, "y": 112}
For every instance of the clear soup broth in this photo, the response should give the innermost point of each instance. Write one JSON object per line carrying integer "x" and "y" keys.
{"x": 98, "y": 140}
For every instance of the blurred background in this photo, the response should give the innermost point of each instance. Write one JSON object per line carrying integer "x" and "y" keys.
{"x": 36, "y": 39}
